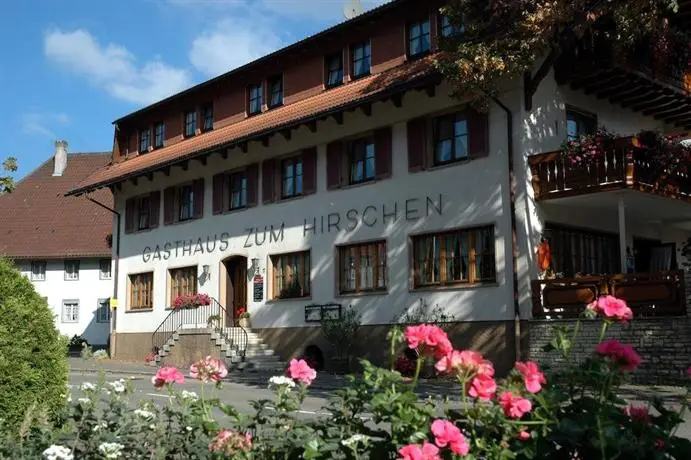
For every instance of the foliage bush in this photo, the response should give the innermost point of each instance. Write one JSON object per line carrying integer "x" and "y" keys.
{"x": 33, "y": 365}
{"x": 577, "y": 414}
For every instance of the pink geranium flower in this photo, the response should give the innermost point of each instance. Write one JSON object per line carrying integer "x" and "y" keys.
{"x": 300, "y": 371}
{"x": 612, "y": 308}
{"x": 167, "y": 375}
{"x": 514, "y": 406}
{"x": 532, "y": 377}
{"x": 208, "y": 369}
{"x": 523, "y": 435}
{"x": 483, "y": 387}
{"x": 446, "y": 433}
{"x": 638, "y": 413}
{"x": 464, "y": 362}
{"x": 228, "y": 443}
{"x": 619, "y": 354}
{"x": 429, "y": 339}
{"x": 427, "y": 451}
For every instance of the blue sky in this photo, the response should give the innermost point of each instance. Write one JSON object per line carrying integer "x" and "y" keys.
{"x": 69, "y": 68}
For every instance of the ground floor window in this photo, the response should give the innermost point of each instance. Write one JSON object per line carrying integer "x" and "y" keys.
{"x": 141, "y": 291}
{"x": 291, "y": 275}
{"x": 582, "y": 252}
{"x": 103, "y": 311}
{"x": 362, "y": 267}
{"x": 183, "y": 281}
{"x": 455, "y": 257}
{"x": 70, "y": 311}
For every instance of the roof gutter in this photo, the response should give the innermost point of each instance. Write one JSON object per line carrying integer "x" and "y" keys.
{"x": 514, "y": 240}
{"x": 424, "y": 79}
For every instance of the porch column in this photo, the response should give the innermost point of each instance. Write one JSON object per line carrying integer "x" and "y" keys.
{"x": 622, "y": 235}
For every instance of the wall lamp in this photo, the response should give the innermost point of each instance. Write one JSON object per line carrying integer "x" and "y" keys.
{"x": 205, "y": 276}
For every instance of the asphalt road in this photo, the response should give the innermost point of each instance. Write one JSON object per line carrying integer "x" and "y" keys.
{"x": 239, "y": 395}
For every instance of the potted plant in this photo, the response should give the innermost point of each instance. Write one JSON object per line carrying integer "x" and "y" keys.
{"x": 76, "y": 345}
{"x": 243, "y": 317}
{"x": 184, "y": 302}
{"x": 213, "y": 321}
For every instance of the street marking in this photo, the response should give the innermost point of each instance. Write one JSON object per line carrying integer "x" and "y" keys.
{"x": 158, "y": 395}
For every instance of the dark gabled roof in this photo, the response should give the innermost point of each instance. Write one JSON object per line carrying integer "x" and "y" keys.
{"x": 38, "y": 221}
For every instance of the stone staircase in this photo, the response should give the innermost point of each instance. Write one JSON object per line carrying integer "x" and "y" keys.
{"x": 258, "y": 355}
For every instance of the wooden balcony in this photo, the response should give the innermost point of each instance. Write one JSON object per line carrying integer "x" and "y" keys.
{"x": 641, "y": 79}
{"x": 623, "y": 167}
{"x": 648, "y": 294}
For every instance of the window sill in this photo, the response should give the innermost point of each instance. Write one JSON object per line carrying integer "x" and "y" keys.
{"x": 271, "y": 107}
{"x": 360, "y": 184}
{"x": 363, "y": 293}
{"x": 233, "y": 211}
{"x": 67, "y": 279}
{"x": 291, "y": 299}
{"x": 182, "y": 222}
{"x": 418, "y": 56}
{"x": 144, "y": 230}
{"x": 454, "y": 287}
{"x": 140, "y": 310}
{"x": 359, "y": 77}
{"x": 291, "y": 198}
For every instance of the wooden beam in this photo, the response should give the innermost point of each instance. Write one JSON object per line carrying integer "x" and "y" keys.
{"x": 185, "y": 165}
{"x": 397, "y": 100}
{"x": 338, "y": 116}
{"x": 150, "y": 176}
{"x": 655, "y": 106}
{"x": 224, "y": 154}
{"x": 118, "y": 186}
{"x": 678, "y": 114}
{"x": 367, "y": 109}
{"x": 644, "y": 97}
{"x": 202, "y": 160}
{"x": 312, "y": 126}
{"x": 135, "y": 181}
{"x": 622, "y": 87}
{"x": 265, "y": 141}
{"x": 604, "y": 84}
{"x": 243, "y": 147}
{"x": 166, "y": 171}
{"x": 287, "y": 134}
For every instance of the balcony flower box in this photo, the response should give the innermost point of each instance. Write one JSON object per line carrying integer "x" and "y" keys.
{"x": 185, "y": 302}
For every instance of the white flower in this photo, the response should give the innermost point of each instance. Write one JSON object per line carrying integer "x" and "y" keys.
{"x": 100, "y": 426}
{"x": 188, "y": 428}
{"x": 118, "y": 386}
{"x": 152, "y": 427}
{"x": 56, "y": 452}
{"x": 110, "y": 449}
{"x": 84, "y": 400}
{"x": 189, "y": 395}
{"x": 355, "y": 439}
{"x": 279, "y": 380}
{"x": 87, "y": 386}
{"x": 144, "y": 414}
{"x": 100, "y": 354}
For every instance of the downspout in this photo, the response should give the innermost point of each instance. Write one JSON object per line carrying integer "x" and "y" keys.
{"x": 116, "y": 268}
{"x": 514, "y": 242}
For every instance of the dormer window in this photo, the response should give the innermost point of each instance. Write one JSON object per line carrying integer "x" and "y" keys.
{"x": 159, "y": 135}
{"x": 360, "y": 55}
{"x": 190, "y": 123}
{"x": 254, "y": 95}
{"x": 418, "y": 38}
{"x": 276, "y": 91}
{"x": 448, "y": 29}
{"x": 144, "y": 140}
{"x": 208, "y": 117}
{"x": 334, "y": 70}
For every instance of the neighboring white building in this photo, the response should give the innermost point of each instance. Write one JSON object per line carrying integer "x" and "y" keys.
{"x": 353, "y": 177}
{"x": 62, "y": 244}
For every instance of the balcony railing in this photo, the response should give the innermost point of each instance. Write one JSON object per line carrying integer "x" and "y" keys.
{"x": 624, "y": 166}
{"x": 648, "y": 294}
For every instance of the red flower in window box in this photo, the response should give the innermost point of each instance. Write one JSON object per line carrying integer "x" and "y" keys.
{"x": 191, "y": 301}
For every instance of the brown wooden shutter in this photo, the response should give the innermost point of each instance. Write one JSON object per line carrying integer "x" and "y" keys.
{"x": 198, "y": 190}
{"x": 382, "y": 152}
{"x": 417, "y": 144}
{"x": 334, "y": 159}
{"x": 169, "y": 206}
{"x": 129, "y": 215}
{"x": 155, "y": 209}
{"x": 252, "y": 184}
{"x": 218, "y": 193}
{"x": 268, "y": 167}
{"x": 477, "y": 134}
{"x": 309, "y": 171}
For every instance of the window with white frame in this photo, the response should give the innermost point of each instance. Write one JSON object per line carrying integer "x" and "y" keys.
{"x": 103, "y": 312}
{"x": 104, "y": 269}
{"x": 38, "y": 270}
{"x": 71, "y": 270}
{"x": 70, "y": 311}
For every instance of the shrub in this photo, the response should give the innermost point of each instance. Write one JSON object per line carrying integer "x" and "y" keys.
{"x": 33, "y": 365}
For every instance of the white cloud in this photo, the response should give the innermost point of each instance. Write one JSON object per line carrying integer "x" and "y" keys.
{"x": 113, "y": 67}
{"x": 39, "y": 123}
{"x": 231, "y": 44}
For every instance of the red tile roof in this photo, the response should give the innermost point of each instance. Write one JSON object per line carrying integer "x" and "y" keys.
{"x": 367, "y": 89}
{"x": 37, "y": 220}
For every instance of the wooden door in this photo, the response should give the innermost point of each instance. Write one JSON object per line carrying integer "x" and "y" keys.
{"x": 240, "y": 287}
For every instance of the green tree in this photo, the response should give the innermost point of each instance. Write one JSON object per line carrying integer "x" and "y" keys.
{"x": 508, "y": 38}
{"x": 33, "y": 361}
{"x": 7, "y": 182}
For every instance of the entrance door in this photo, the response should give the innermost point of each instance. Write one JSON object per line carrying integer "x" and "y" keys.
{"x": 236, "y": 288}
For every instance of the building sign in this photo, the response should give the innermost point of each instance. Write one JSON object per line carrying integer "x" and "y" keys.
{"x": 258, "y": 283}
{"x": 410, "y": 210}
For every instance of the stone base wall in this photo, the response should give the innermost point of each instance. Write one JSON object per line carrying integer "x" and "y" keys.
{"x": 663, "y": 343}
{"x": 190, "y": 347}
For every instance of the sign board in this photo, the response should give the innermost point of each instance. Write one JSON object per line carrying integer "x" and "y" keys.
{"x": 113, "y": 303}
{"x": 258, "y": 283}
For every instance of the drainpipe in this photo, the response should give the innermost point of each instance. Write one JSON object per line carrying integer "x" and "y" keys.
{"x": 116, "y": 268}
{"x": 514, "y": 243}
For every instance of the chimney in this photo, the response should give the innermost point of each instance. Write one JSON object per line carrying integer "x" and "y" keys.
{"x": 60, "y": 160}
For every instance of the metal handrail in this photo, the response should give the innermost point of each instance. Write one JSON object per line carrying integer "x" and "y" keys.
{"x": 200, "y": 317}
